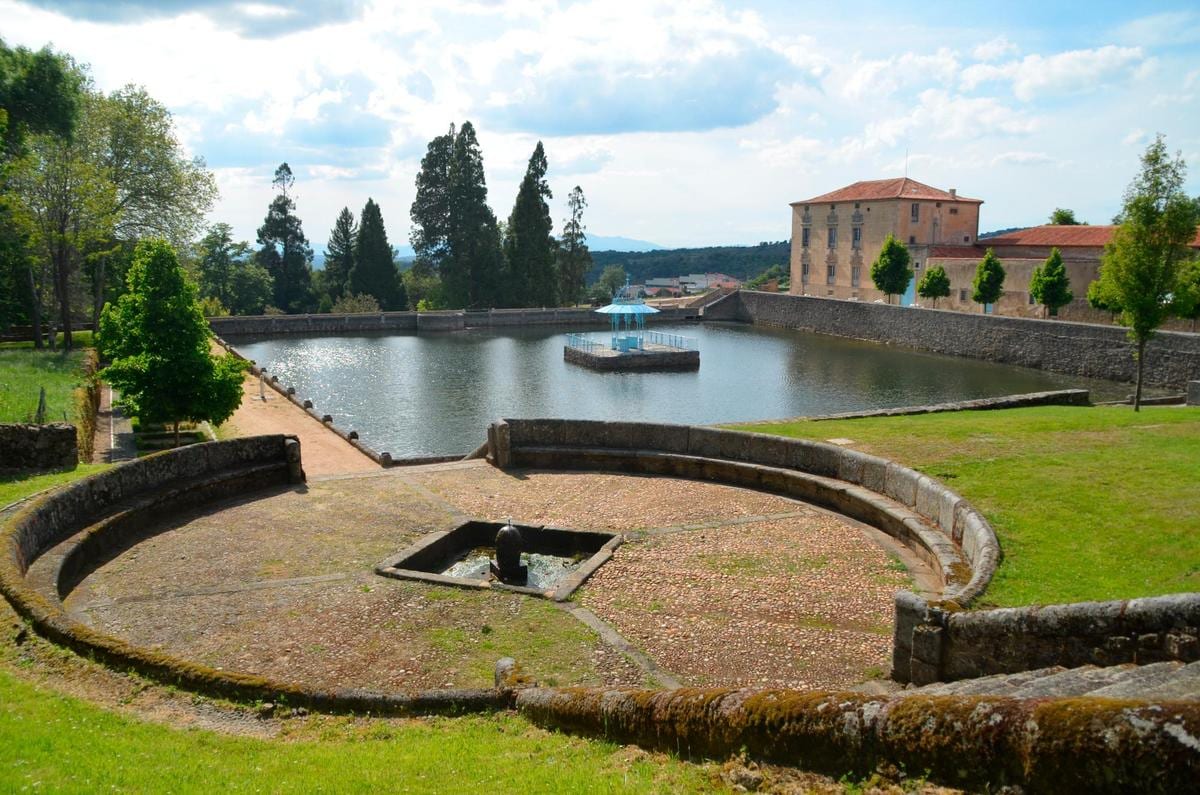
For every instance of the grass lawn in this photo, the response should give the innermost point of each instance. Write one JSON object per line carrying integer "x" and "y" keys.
{"x": 23, "y": 371}
{"x": 53, "y": 743}
{"x": 14, "y": 487}
{"x": 1088, "y": 503}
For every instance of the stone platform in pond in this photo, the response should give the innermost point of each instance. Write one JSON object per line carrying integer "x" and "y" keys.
{"x": 651, "y": 356}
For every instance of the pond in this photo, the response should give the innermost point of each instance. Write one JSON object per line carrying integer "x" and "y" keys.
{"x": 434, "y": 394}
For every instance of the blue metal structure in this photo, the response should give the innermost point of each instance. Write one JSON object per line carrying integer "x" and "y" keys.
{"x": 628, "y": 316}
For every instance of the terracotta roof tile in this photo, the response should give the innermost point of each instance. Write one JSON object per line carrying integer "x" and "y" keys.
{"x": 898, "y": 188}
{"x": 1060, "y": 236}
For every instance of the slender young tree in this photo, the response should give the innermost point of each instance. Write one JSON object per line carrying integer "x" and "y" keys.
{"x": 989, "y": 280}
{"x": 890, "y": 271}
{"x": 934, "y": 284}
{"x": 375, "y": 271}
{"x": 339, "y": 254}
{"x": 528, "y": 245}
{"x": 158, "y": 341}
{"x": 1050, "y": 286}
{"x": 574, "y": 259}
{"x": 1141, "y": 266}
{"x": 284, "y": 251}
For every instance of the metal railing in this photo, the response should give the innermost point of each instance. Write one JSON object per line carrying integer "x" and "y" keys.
{"x": 580, "y": 342}
{"x": 672, "y": 340}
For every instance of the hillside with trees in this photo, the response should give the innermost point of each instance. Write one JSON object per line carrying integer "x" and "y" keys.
{"x": 742, "y": 262}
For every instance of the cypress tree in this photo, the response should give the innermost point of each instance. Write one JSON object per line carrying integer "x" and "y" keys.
{"x": 339, "y": 254}
{"x": 374, "y": 263}
{"x": 989, "y": 279}
{"x": 285, "y": 252}
{"x": 528, "y": 245}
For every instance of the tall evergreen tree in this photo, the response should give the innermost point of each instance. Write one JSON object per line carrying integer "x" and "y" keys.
{"x": 220, "y": 257}
{"x": 375, "y": 271}
{"x": 339, "y": 254}
{"x": 574, "y": 259}
{"x": 285, "y": 252}
{"x": 471, "y": 269}
{"x": 430, "y": 212}
{"x": 528, "y": 245}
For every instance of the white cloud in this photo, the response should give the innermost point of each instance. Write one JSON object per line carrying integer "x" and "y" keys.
{"x": 994, "y": 49}
{"x": 881, "y": 78}
{"x": 1168, "y": 28}
{"x": 1064, "y": 73}
{"x": 1024, "y": 159}
{"x": 1136, "y": 136}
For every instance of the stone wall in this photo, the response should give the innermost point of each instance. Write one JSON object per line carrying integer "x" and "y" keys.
{"x": 1193, "y": 393}
{"x": 947, "y": 646}
{"x": 54, "y": 446}
{"x": 451, "y": 320}
{"x": 1093, "y": 351}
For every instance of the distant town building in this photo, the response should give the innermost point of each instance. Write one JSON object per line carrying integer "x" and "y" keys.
{"x": 837, "y": 235}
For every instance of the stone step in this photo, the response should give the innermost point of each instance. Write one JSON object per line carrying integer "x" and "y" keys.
{"x": 1074, "y": 682}
{"x": 999, "y": 684}
{"x": 1170, "y": 682}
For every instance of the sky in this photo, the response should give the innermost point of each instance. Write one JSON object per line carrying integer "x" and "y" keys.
{"x": 686, "y": 123}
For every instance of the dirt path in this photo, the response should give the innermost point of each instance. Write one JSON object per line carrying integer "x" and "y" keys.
{"x": 323, "y": 451}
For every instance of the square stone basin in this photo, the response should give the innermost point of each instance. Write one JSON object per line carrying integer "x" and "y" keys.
{"x": 458, "y": 557}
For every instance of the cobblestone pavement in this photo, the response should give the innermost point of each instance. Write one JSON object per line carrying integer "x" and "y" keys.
{"x": 717, "y": 585}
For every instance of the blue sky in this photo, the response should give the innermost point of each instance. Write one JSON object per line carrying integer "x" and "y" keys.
{"x": 687, "y": 123}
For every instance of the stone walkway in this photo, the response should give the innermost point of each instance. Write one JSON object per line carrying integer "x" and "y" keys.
{"x": 717, "y": 586}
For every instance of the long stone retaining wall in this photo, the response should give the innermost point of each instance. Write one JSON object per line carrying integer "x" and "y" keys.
{"x": 23, "y": 446}
{"x": 1083, "y": 349}
{"x": 452, "y": 320}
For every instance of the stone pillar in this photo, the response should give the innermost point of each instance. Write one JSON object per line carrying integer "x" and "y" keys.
{"x": 291, "y": 449}
{"x": 910, "y": 613}
{"x": 1193, "y": 393}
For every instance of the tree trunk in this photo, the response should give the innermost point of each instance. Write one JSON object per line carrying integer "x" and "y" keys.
{"x": 35, "y": 310}
{"x": 98, "y": 293}
{"x": 1137, "y": 391}
{"x": 177, "y": 433}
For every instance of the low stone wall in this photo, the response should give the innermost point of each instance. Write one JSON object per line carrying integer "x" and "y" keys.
{"x": 1037, "y": 745}
{"x": 1058, "y": 397}
{"x": 54, "y": 446}
{"x": 1092, "y": 351}
{"x": 966, "y": 645}
{"x": 641, "y": 362}
{"x": 1193, "y": 393}
{"x": 450, "y": 320}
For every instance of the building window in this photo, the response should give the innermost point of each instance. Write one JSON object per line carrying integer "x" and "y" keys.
{"x": 962, "y": 294}
{"x": 855, "y": 274}
{"x": 912, "y": 240}
{"x": 833, "y": 237}
{"x": 916, "y": 266}
{"x": 856, "y": 237}
{"x": 804, "y": 271}
{"x": 1031, "y": 300}
{"x": 916, "y": 212}
{"x": 804, "y": 237}
{"x": 966, "y": 238}
{"x": 830, "y": 273}
{"x": 856, "y": 205}
{"x": 954, "y": 211}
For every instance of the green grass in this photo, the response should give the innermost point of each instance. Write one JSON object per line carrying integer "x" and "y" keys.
{"x": 1088, "y": 503}
{"x": 53, "y": 743}
{"x": 22, "y": 374}
{"x": 14, "y": 487}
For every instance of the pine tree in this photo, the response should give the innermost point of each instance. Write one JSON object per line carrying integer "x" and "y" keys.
{"x": 934, "y": 284}
{"x": 989, "y": 280}
{"x": 890, "y": 271}
{"x": 158, "y": 342}
{"x": 375, "y": 271}
{"x": 528, "y": 245}
{"x": 471, "y": 269}
{"x": 1050, "y": 286}
{"x": 430, "y": 213}
{"x": 285, "y": 252}
{"x": 574, "y": 259}
{"x": 339, "y": 254}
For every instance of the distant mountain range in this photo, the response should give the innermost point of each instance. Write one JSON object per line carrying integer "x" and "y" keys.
{"x": 602, "y": 243}
{"x": 742, "y": 262}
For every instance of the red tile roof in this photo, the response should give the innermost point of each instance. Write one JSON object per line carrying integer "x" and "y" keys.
{"x": 1060, "y": 236}
{"x": 899, "y": 188}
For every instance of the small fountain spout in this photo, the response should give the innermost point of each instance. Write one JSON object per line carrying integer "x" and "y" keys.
{"x": 507, "y": 567}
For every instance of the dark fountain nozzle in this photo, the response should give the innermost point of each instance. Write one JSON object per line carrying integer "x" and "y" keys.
{"x": 507, "y": 567}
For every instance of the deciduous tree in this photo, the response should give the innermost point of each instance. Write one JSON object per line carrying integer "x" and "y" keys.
{"x": 934, "y": 284}
{"x": 1186, "y": 302}
{"x": 989, "y": 280}
{"x": 1140, "y": 271}
{"x": 1064, "y": 217}
{"x": 158, "y": 341}
{"x": 1050, "y": 286}
{"x": 890, "y": 271}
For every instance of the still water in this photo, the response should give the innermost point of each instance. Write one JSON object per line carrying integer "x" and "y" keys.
{"x": 434, "y": 394}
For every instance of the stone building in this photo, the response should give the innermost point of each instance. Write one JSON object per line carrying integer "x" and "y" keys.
{"x": 836, "y": 237}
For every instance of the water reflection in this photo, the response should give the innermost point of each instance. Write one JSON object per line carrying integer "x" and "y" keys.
{"x": 434, "y": 394}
